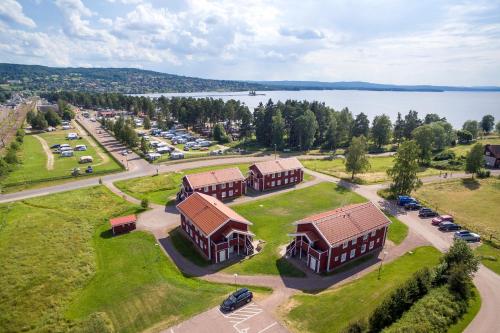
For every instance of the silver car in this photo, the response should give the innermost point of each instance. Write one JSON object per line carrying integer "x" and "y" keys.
{"x": 467, "y": 236}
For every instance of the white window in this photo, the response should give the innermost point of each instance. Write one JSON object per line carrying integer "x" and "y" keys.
{"x": 214, "y": 187}
{"x": 378, "y": 240}
{"x": 337, "y": 258}
{"x": 231, "y": 184}
{"x": 296, "y": 179}
{"x": 273, "y": 183}
{"x": 365, "y": 237}
{"x": 223, "y": 186}
{"x": 205, "y": 189}
{"x": 363, "y": 248}
{"x": 354, "y": 241}
{"x": 371, "y": 245}
{"x": 344, "y": 245}
{"x": 279, "y": 182}
{"x": 196, "y": 239}
{"x": 286, "y": 180}
{"x": 190, "y": 232}
{"x": 343, "y": 257}
{"x": 277, "y": 175}
{"x": 289, "y": 172}
{"x": 223, "y": 194}
{"x": 353, "y": 253}
{"x": 373, "y": 233}
{"x": 231, "y": 193}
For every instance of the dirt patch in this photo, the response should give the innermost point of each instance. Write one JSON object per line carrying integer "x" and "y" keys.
{"x": 48, "y": 152}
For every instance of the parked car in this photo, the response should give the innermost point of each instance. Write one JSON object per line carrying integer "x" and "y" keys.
{"x": 442, "y": 218}
{"x": 152, "y": 156}
{"x": 195, "y": 147}
{"x": 448, "y": 226}
{"x": 427, "y": 212}
{"x": 413, "y": 205}
{"x": 237, "y": 299}
{"x": 72, "y": 136}
{"x": 124, "y": 152}
{"x": 81, "y": 147}
{"x": 176, "y": 155}
{"x": 89, "y": 169}
{"x": 404, "y": 199}
{"x": 186, "y": 148}
{"x": 86, "y": 159}
{"x": 57, "y": 145}
{"x": 467, "y": 236}
{"x": 67, "y": 153}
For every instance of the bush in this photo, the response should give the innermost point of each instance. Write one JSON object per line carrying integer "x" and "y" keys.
{"x": 14, "y": 145}
{"x": 20, "y": 135}
{"x": 358, "y": 326}
{"x": 145, "y": 203}
{"x": 11, "y": 157}
{"x": 483, "y": 173}
{"x": 445, "y": 155}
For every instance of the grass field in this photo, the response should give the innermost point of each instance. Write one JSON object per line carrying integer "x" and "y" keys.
{"x": 490, "y": 256}
{"x": 60, "y": 268}
{"x": 397, "y": 230}
{"x": 163, "y": 188}
{"x": 272, "y": 219}
{"x": 473, "y": 203}
{"x": 33, "y": 167}
{"x": 376, "y": 174}
{"x": 462, "y": 150}
{"x": 332, "y": 310}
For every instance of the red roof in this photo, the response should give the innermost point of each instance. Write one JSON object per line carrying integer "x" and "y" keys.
{"x": 221, "y": 176}
{"x": 279, "y": 165}
{"x": 122, "y": 220}
{"x": 347, "y": 222}
{"x": 208, "y": 213}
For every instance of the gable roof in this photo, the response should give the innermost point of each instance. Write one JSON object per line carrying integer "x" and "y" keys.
{"x": 202, "y": 179}
{"x": 208, "y": 213}
{"x": 494, "y": 149}
{"x": 122, "y": 220}
{"x": 279, "y": 165}
{"x": 347, "y": 222}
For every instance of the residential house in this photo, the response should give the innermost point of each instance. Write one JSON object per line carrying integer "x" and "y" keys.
{"x": 273, "y": 174}
{"x": 492, "y": 156}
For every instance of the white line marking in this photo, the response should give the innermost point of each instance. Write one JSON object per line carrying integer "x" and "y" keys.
{"x": 267, "y": 327}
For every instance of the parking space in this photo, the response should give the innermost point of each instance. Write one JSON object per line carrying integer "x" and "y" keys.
{"x": 248, "y": 319}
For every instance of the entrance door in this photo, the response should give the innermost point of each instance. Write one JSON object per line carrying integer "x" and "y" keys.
{"x": 231, "y": 250}
{"x": 222, "y": 255}
{"x": 312, "y": 263}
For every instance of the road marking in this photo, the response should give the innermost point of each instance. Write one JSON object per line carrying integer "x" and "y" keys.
{"x": 267, "y": 327}
{"x": 240, "y": 316}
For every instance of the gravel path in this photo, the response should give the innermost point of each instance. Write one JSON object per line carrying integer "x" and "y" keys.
{"x": 48, "y": 152}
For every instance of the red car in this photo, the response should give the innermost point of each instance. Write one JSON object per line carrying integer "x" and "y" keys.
{"x": 442, "y": 218}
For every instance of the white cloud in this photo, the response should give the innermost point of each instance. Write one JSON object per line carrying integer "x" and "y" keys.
{"x": 12, "y": 11}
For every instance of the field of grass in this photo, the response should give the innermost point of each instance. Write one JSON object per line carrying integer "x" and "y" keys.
{"x": 462, "y": 150}
{"x": 332, "y": 310}
{"x": 376, "y": 174}
{"x": 272, "y": 219}
{"x": 33, "y": 167}
{"x": 397, "y": 230}
{"x": 61, "y": 269}
{"x": 163, "y": 188}
{"x": 490, "y": 256}
{"x": 473, "y": 203}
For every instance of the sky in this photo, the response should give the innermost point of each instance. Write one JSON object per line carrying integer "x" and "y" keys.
{"x": 384, "y": 41}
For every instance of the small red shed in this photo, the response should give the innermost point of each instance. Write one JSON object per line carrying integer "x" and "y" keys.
{"x": 275, "y": 173}
{"x": 123, "y": 224}
{"x": 328, "y": 240}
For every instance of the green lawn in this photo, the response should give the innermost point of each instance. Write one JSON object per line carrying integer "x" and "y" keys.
{"x": 163, "y": 188}
{"x": 462, "y": 150}
{"x": 490, "y": 256}
{"x": 332, "y": 310}
{"x": 33, "y": 167}
{"x": 376, "y": 174}
{"x": 61, "y": 269}
{"x": 186, "y": 247}
{"x": 397, "y": 230}
{"x": 473, "y": 203}
{"x": 272, "y": 219}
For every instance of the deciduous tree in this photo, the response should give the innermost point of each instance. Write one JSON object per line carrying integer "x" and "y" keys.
{"x": 381, "y": 130}
{"x": 356, "y": 160}
{"x": 488, "y": 123}
{"x": 361, "y": 125}
{"x": 475, "y": 159}
{"x": 405, "y": 168}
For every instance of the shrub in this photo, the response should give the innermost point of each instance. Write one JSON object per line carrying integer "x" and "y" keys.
{"x": 445, "y": 155}
{"x": 11, "y": 157}
{"x": 358, "y": 326}
{"x": 145, "y": 203}
{"x": 483, "y": 173}
{"x": 14, "y": 145}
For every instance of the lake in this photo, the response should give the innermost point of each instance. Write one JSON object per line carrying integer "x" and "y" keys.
{"x": 457, "y": 107}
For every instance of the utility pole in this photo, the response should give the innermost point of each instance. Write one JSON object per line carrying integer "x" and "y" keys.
{"x": 380, "y": 267}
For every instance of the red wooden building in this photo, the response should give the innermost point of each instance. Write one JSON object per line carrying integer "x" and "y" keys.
{"x": 492, "y": 156}
{"x": 123, "y": 224}
{"x": 217, "y": 231}
{"x": 328, "y": 240}
{"x": 273, "y": 174}
{"x": 223, "y": 184}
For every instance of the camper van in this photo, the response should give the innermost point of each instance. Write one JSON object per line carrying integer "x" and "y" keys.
{"x": 67, "y": 153}
{"x": 80, "y": 147}
{"x": 152, "y": 156}
{"x": 72, "y": 136}
{"x": 86, "y": 159}
{"x": 176, "y": 155}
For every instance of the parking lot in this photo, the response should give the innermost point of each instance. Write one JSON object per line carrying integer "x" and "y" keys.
{"x": 248, "y": 319}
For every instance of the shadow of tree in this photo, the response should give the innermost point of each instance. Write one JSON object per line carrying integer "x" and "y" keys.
{"x": 471, "y": 184}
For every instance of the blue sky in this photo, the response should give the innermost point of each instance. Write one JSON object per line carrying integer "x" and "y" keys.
{"x": 402, "y": 42}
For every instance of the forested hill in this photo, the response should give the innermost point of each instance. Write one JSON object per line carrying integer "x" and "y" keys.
{"x": 122, "y": 80}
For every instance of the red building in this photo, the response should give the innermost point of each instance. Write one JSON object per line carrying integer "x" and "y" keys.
{"x": 492, "y": 156}
{"x": 223, "y": 184}
{"x": 123, "y": 224}
{"x": 273, "y": 174}
{"x": 217, "y": 231}
{"x": 328, "y": 240}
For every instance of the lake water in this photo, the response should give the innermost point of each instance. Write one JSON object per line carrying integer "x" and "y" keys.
{"x": 457, "y": 107}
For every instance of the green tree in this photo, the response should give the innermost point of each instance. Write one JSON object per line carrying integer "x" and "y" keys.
{"x": 52, "y": 118}
{"x": 278, "y": 131}
{"x": 344, "y": 126}
{"x": 488, "y": 123}
{"x": 472, "y": 127}
{"x": 411, "y": 123}
{"x": 439, "y": 136}
{"x": 147, "y": 122}
{"x": 39, "y": 122}
{"x": 361, "y": 125}
{"x": 246, "y": 128}
{"x": 464, "y": 136}
{"x": 474, "y": 160}
{"x": 145, "y": 146}
{"x": 405, "y": 168}
{"x": 356, "y": 160}
{"x": 305, "y": 128}
{"x": 219, "y": 133}
{"x": 497, "y": 127}
{"x": 381, "y": 130}
{"x": 399, "y": 126}
{"x": 331, "y": 134}
{"x": 424, "y": 137}
{"x": 461, "y": 253}
{"x": 432, "y": 118}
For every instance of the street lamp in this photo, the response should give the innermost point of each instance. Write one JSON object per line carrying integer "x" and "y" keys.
{"x": 235, "y": 276}
{"x": 380, "y": 267}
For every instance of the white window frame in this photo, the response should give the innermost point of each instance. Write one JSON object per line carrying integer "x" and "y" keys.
{"x": 231, "y": 192}
{"x": 337, "y": 258}
{"x": 286, "y": 180}
{"x": 343, "y": 257}
{"x": 205, "y": 189}
{"x": 365, "y": 237}
{"x": 363, "y": 248}
{"x": 273, "y": 183}
{"x": 278, "y": 182}
{"x": 344, "y": 245}
{"x": 352, "y": 254}
{"x": 372, "y": 243}
{"x": 378, "y": 240}
{"x": 223, "y": 194}
{"x": 214, "y": 187}
{"x": 354, "y": 241}
{"x": 373, "y": 233}
{"x": 223, "y": 186}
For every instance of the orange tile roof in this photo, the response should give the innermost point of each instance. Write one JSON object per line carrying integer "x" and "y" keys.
{"x": 347, "y": 222}
{"x": 122, "y": 220}
{"x": 279, "y": 165}
{"x": 214, "y": 177}
{"x": 208, "y": 213}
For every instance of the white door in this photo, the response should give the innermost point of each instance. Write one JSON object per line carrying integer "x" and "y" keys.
{"x": 312, "y": 263}
{"x": 231, "y": 250}
{"x": 222, "y": 255}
